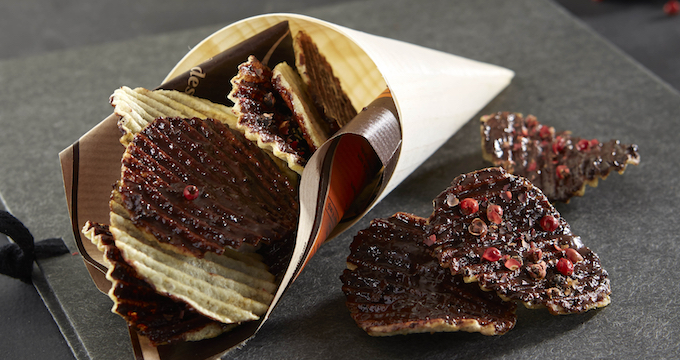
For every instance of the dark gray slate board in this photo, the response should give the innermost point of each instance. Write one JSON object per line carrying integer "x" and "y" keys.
{"x": 565, "y": 75}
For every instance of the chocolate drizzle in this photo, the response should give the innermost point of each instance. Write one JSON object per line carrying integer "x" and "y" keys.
{"x": 397, "y": 287}
{"x": 243, "y": 197}
{"x": 558, "y": 163}
{"x": 523, "y": 237}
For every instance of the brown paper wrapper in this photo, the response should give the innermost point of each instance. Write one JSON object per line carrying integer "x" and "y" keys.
{"x": 343, "y": 179}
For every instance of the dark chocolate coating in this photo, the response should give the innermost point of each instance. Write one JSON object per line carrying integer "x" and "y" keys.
{"x": 153, "y": 315}
{"x": 397, "y": 285}
{"x": 518, "y": 236}
{"x": 558, "y": 163}
{"x": 243, "y": 196}
{"x": 264, "y": 112}
{"x": 324, "y": 87}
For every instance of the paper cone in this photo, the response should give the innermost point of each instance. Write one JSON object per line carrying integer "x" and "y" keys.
{"x": 435, "y": 92}
{"x": 430, "y": 95}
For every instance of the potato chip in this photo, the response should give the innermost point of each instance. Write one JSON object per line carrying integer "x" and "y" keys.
{"x": 138, "y": 107}
{"x": 161, "y": 319}
{"x": 292, "y": 90}
{"x": 220, "y": 293}
{"x": 394, "y": 286}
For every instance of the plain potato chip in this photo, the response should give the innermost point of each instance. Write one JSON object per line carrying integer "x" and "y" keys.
{"x": 213, "y": 290}
{"x": 160, "y": 318}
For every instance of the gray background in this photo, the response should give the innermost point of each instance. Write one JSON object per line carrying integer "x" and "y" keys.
{"x": 60, "y": 60}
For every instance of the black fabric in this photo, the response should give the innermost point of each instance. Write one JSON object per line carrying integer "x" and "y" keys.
{"x": 16, "y": 259}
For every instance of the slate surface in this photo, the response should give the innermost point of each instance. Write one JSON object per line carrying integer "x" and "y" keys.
{"x": 566, "y": 76}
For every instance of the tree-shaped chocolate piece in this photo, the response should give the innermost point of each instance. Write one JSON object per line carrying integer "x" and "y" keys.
{"x": 500, "y": 230}
{"x": 558, "y": 163}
